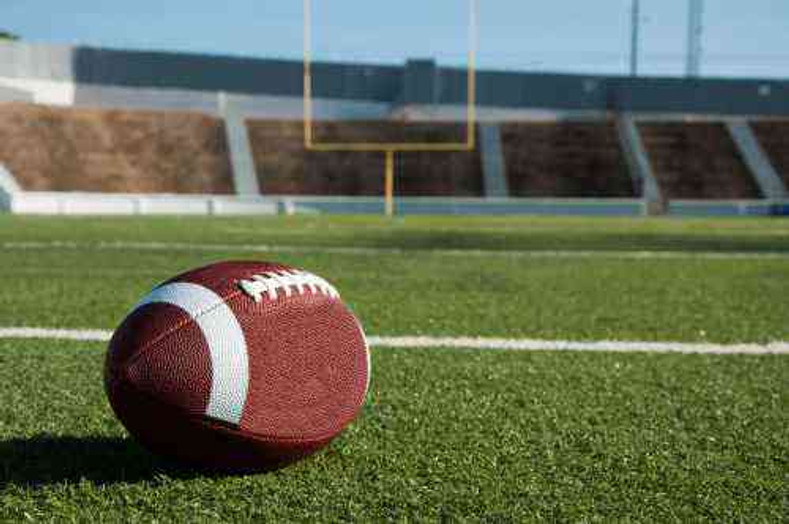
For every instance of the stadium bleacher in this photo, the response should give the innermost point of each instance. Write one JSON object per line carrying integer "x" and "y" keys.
{"x": 109, "y": 151}
{"x": 697, "y": 161}
{"x": 285, "y": 167}
{"x": 565, "y": 159}
{"x": 773, "y": 135}
{"x": 96, "y": 150}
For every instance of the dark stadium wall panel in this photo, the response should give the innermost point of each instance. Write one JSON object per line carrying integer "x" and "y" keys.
{"x": 393, "y": 84}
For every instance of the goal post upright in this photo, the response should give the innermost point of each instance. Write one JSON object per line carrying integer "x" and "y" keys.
{"x": 389, "y": 183}
{"x": 390, "y": 149}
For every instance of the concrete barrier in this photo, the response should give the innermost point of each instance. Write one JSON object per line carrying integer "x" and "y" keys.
{"x": 727, "y": 208}
{"x": 52, "y": 203}
{"x": 8, "y": 187}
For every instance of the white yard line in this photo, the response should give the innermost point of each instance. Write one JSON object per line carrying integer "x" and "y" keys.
{"x": 425, "y": 342}
{"x": 85, "y": 335}
{"x": 350, "y": 250}
{"x": 775, "y": 348}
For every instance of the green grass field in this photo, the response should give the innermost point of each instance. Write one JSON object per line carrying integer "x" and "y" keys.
{"x": 446, "y": 434}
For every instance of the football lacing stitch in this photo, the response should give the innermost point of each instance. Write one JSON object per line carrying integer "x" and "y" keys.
{"x": 272, "y": 282}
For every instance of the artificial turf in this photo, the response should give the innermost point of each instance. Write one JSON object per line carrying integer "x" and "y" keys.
{"x": 414, "y": 233}
{"x": 445, "y": 434}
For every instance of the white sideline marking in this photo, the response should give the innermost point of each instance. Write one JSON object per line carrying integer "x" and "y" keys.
{"x": 346, "y": 250}
{"x": 83, "y": 335}
{"x": 773, "y": 348}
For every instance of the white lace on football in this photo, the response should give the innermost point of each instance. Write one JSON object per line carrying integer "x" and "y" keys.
{"x": 273, "y": 282}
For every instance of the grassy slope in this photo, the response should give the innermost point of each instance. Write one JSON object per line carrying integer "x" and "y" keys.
{"x": 444, "y": 434}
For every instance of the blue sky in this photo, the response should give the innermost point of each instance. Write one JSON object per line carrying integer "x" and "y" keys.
{"x": 742, "y": 38}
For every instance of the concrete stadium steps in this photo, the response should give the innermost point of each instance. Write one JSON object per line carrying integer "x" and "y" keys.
{"x": 285, "y": 167}
{"x": 565, "y": 159}
{"x": 697, "y": 160}
{"x": 110, "y": 151}
{"x": 773, "y": 136}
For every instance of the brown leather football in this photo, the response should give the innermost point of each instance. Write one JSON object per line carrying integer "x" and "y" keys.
{"x": 238, "y": 366}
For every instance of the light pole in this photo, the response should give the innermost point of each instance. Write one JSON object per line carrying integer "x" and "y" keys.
{"x": 635, "y": 26}
{"x": 695, "y": 33}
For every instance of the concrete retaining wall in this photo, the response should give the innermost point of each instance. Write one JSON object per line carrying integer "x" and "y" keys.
{"x": 47, "y": 203}
{"x": 42, "y": 203}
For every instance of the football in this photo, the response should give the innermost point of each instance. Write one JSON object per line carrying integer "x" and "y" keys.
{"x": 238, "y": 367}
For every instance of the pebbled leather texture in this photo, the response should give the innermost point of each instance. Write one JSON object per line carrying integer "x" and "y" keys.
{"x": 307, "y": 374}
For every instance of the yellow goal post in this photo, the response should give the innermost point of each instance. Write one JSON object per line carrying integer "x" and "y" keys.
{"x": 390, "y": 149}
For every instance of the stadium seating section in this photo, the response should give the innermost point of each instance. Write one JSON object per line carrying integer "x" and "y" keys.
{"x": 284, "y": 167}
{"x": 565, "y": 159}
{"x": 65, "y": 149}
{"x": 697, "y": 160}
{"x": 68, "y": 149}
{"x": 773, "y": 135}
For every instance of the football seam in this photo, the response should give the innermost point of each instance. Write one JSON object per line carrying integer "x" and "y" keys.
{"x": 180, "y": 325}
{"x": 187, "y": 321}
{"x": 271, "y": 282}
